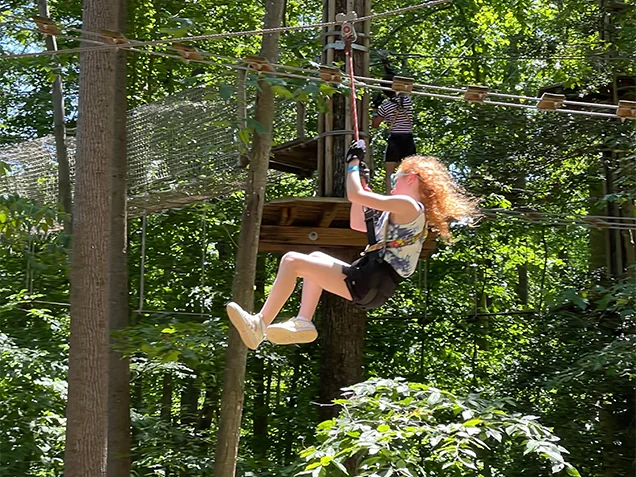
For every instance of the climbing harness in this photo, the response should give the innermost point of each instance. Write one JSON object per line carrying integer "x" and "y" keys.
{"x": 399, "y": 242}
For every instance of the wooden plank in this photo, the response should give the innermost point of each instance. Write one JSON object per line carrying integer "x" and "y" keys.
{"x": 284, "y": 214}
{"x": 316, "y": 236}
{"x": 300, "y": 200}
{"x": 282, "y": 248}
{"x": 321, "y": 237}
{"x": 328, "y": 214}
{"x": 291, "y": 216}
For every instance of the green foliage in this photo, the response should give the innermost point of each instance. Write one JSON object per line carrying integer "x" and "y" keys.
{"x": 391, "y": 427}
{"x": 461, "y": 324}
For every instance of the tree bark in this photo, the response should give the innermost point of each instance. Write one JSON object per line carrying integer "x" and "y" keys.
{"x": 189, "y": 402}
{"x": 343, "y": 324}
{"x": 59, "y": 132}
{"x": 87, "y": 409}
{"x": 165, "y": 412}
{"x": 119, "y": 434}
{"x": 342, "y": 331}
{"x": 243, "y": 284}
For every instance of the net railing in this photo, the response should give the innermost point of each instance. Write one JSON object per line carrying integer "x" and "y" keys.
{"x": 181, "y": 149}
{"x": 33, "y": 169}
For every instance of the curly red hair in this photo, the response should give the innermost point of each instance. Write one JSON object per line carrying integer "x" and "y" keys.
{"x": 444, "y": 200}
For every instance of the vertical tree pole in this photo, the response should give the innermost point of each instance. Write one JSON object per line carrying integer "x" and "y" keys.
{"x": 119, "y": 455}
{"x": 59, "y": 132}
{"x": 243, "y": 285}
{"x": 343, "y": 324}
{"x": 87, "y": 407}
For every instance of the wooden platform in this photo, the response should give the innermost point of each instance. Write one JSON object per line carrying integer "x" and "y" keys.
{"x": 297, "y": 157}
{"x": 313, "y": 223}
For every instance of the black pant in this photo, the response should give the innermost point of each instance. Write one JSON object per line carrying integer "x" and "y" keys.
{"x": 371, "y": 281}
{"x": 398, "y": 147}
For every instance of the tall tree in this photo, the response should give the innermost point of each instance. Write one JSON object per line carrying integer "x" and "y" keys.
{"x": 343, "y": 324}
{"x": 87, "y": 409}
{"x": 59, "y": 131}
{"x": 244, "y": 279}
{"x": 119, "y": 460}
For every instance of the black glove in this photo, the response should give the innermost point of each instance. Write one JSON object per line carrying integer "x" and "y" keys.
{"x": 356, "y": 151}
{"x": 377, "y": 99}
{"x": 365, "y": 174}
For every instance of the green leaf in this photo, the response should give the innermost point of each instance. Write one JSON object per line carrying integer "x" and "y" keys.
{"x": 327, "y": 89}
{"x": 282, "y": 92}
{"x": 383, "y": 428}
{"x": 257, "y": 127}
{"x": 531, "y": 445}
{"x": 572, "y": 471}
{"x": 244, "y": 135}
{"x": 226, "y": 91}
{"x": 275, "y": 81}
{"x": 300, "y": 95}
{"x": 473, "y": 422}
{"x": 342, "y": 468}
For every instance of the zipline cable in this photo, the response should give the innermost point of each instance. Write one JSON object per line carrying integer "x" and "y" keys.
{"x": 262, "y": 31}
{"x": 131, "y": 46}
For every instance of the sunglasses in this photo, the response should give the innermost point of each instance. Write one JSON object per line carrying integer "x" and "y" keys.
{"x": 394, "y": 177}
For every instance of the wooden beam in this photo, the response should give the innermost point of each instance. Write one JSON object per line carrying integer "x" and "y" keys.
{"x": 282, "y": 248}
{"x": 330, "y": 212}
{"x": 316, "y": 236}
{"x": 282, "y": 239}
{"x": 287, "y": 215}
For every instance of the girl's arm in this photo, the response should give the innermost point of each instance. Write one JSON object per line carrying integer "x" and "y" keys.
{"x": 404, "y": 207}
{"x": 356, "y": 218}
{"x": 376, "y": 119}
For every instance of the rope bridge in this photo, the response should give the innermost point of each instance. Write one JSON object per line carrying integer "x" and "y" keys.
{"x": 181, "y": 149}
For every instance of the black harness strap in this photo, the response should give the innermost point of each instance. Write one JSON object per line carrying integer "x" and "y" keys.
{"x": 369, "y": 215}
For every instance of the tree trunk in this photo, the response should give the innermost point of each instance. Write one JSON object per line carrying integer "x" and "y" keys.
{"x": 189, "y": 402}
{"x": 59, "y": 131}
{"x": 165, "y": 412}
{"x": 343, "y": 324}
{"x": 342, "y": 330}
{"x": 243, "y": 285}
{"x": 260, "y": 372}
{"x": 261, "y": 410}
{"x": 87, "y": 408}
{"x": 119, "y": 437}
{"x": 209, "y": 410}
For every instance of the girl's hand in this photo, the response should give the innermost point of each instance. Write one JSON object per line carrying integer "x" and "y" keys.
{"x": 356, "y": 151}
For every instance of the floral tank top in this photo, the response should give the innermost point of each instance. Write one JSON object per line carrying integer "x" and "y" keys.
{"x": 404, "y": 258}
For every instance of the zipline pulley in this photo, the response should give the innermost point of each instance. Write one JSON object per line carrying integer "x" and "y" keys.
{"x": 349, "y": 36}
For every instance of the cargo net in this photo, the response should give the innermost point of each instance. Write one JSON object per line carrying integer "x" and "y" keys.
{"x": 182, "y": 149}
{"x": 33, "y": 169}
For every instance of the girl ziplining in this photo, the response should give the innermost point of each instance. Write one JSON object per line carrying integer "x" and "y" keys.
{"x": 423, "y": 197}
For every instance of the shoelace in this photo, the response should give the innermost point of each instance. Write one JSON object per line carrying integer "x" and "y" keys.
{"x": 251, "y": 320}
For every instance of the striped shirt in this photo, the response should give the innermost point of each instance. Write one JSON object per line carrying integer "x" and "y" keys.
{"x": 398, "y": 113}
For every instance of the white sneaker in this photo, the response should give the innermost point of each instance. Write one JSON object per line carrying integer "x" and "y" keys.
{"x": 295, "y": 331}
{"x": 250, "y": 327}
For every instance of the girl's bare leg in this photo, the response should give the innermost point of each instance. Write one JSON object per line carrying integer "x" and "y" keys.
{"x": 320, "y": 271}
